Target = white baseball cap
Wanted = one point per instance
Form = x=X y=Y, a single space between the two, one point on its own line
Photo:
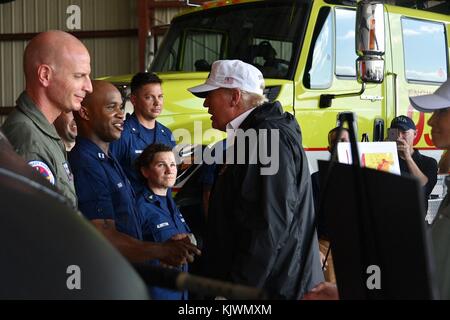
x=231 y=74
x=440 y=99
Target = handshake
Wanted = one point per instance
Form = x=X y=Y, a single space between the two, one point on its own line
x=180 y=249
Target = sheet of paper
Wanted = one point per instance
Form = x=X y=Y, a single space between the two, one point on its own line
x=376 y=155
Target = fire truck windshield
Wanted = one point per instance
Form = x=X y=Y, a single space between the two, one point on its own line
x=266 y=34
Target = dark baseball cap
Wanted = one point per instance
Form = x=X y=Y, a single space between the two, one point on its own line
x=403 y=123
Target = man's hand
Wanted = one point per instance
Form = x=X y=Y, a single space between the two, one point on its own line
x=323 y=291
x=178 y=251
x=404 y=149
x=180 y=236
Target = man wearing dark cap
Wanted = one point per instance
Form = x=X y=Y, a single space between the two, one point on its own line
x=412 y=162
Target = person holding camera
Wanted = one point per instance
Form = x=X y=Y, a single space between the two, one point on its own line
x=412 y=162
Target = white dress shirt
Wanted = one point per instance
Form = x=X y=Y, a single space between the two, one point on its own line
x=233 y=125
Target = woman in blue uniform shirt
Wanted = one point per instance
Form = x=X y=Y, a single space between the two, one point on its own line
x=161 y=219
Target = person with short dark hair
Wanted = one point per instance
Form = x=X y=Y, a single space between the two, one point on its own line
x=141 y=128
x=143 y=78
x=412 y=162
x=322 y=231
x=333 y=139
x=160 y=218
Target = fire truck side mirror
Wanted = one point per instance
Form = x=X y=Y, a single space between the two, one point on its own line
x=370 y=41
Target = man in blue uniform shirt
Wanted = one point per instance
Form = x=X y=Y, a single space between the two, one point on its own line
x=141 y=128
x=161 y=219
x=104 y=192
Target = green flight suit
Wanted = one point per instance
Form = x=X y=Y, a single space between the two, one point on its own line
x=441 y=244
x=36 y=140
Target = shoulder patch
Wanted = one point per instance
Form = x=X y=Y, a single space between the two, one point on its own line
x=162 y=225
x=43 y=169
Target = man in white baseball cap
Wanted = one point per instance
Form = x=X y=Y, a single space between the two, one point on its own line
x=440 y=99
x=260 y=225
x=439 y=104
x=225 y=78
x=231 y=74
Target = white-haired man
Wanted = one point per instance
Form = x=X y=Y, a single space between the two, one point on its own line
x=261 y=213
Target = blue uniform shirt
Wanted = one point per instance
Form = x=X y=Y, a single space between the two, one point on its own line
x=135 y=138
x=161 y=220
x=103 y=189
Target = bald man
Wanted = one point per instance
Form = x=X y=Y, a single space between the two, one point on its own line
x=104 y=192
x=57 y=69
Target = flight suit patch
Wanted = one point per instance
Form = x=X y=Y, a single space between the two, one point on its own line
x=43 y=169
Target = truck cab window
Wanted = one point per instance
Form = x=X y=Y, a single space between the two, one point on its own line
x=345 y=43
x=170 y=63
x=258 y=32
x=201 y=50
x=319 y=69
x=425 y=51
x=271 y=57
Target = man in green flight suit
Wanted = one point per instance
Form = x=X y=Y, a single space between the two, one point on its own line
x=57 y=69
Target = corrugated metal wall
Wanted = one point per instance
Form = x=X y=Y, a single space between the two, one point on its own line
x=109 y=56
x=164 y=16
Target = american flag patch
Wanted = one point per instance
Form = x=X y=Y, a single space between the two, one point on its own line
x=228 y=80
